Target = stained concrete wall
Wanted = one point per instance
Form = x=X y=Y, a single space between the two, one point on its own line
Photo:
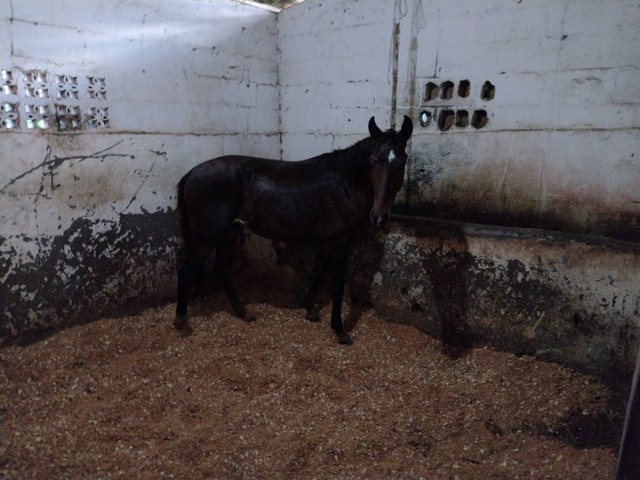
x=561 y=143
x=567 y=298
x=561 y=297
x=87 y=221
x=557 y=149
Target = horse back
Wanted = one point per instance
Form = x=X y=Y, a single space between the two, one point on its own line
x=275 y=199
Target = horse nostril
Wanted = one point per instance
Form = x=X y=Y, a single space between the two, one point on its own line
x=378 y=219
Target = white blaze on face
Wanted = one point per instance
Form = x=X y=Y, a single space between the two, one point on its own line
x=392 y=157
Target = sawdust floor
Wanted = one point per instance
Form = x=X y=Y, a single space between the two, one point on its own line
x=279 y=398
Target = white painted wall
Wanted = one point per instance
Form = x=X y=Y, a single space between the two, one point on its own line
x=562 y=144
x=185 y=82
x=334 y=73
x=561 y=149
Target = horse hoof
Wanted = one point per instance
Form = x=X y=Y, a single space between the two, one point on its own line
x=184 y=328
x=249 y=316
x=344 y=338
x=312 y=316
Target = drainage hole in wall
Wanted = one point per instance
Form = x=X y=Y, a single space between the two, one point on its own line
x=446 y=90
x=462 y=119
x=488 y=91
x=425 y=119
x=479 y=119
x=433 y=91
x=463 y=88
x=446 y=119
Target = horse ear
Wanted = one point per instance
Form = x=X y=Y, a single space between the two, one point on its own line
x=407 y=129
x=373 y=128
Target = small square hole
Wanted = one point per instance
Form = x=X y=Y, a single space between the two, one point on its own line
x=488 y=91
x=479 y=119
x=446 y=90
x=463 y=88
x=462 y=119
x=446 y=119
x=433 y=91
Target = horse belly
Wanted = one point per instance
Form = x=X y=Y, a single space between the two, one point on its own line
x=308 y=217
x=279 y=220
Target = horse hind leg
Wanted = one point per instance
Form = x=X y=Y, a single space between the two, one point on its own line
x=319 y=269
x=190 y=264
x=223 y=267
x=338 y=265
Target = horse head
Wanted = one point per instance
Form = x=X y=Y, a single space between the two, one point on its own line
x=388 y=160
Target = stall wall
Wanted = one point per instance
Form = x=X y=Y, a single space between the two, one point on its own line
x=104 y=108
x=334 y=73
x=530 y=107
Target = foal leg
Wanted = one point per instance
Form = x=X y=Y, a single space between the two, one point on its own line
x=223 y=268
x=319 y=269
x=338 y=271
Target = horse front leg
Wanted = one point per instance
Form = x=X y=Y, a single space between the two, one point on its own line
x=339 y=257
x=319 y=269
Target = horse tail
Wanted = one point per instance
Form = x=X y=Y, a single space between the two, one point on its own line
x=182 y=211
x=181 y=321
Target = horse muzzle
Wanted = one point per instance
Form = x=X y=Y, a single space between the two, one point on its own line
x=378 y=219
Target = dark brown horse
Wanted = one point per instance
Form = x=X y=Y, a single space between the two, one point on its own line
x=327 y=198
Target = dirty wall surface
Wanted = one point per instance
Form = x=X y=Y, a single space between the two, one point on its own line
x=104 y=108
x=527 y=112
x=567 y=298
x=561 y=297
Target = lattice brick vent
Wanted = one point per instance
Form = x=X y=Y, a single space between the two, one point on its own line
x=449 y=107
x=34 y=100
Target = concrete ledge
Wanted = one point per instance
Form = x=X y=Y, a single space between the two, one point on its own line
x=565 y=298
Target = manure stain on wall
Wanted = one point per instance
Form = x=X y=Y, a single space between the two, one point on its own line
x=95 y=266
x=470 y=289
x=131 y=259
x=498 y=193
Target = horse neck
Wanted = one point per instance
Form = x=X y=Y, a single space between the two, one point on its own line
x=354 y=166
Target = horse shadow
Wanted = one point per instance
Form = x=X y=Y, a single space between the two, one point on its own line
x=416 y=273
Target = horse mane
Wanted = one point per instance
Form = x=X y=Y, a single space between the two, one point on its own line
x=353 y=163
